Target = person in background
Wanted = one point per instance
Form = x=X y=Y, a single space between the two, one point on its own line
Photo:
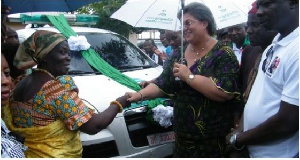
x=222 y=35
x=271 y=114
x=174 y=39
x=165 y=42
x=10 y=43
x=12 y=37
x=203 y=112
x=11 y=145
x=9 y=49
x=152 y=51
x=239 y=39
x=141 y=46
x=259 y=38
x=45 y=108
x=4 y=12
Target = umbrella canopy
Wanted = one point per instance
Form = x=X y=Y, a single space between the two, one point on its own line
x=226 y=12
x=162 y=14
x=21 y=6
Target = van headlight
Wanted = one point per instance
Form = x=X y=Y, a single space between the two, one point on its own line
x=140 y=109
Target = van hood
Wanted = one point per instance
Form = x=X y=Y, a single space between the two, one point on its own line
x=97 y=91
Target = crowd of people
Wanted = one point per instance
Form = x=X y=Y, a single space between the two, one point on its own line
x=237 y=93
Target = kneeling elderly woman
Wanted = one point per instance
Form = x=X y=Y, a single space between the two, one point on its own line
x=45 y=108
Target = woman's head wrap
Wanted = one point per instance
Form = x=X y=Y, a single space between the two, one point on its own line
x=36 y=47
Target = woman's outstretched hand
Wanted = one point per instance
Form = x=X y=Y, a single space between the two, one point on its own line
x=134 y=96
x=123 y=100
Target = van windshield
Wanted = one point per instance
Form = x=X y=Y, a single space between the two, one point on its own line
x=115 y=50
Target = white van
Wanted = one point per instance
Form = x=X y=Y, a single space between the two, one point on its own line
x=128 y=134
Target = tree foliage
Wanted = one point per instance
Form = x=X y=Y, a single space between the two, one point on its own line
x=104 y=10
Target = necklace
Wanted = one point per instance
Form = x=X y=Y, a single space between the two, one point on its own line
x=196 y=51
x=44 y=71
x=202 y=49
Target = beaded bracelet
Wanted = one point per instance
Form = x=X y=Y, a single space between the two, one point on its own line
x=141 y=95
x=118 y=104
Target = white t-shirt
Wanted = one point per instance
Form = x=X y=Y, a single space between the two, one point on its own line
x=155 y=58
x=280 y=83
x=237 y=52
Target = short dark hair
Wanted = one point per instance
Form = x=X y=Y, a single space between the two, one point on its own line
x=202 y=13
x=222 y=32
x=151 y=41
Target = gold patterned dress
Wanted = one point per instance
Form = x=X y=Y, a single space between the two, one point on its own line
x=49 y=121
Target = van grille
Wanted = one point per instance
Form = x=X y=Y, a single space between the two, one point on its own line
x=139 y=127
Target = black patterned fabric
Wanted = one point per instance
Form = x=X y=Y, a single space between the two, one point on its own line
x=201 y=124
x=10 y=147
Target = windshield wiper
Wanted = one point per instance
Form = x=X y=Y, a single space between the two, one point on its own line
x=78 y=72
x=134 y=67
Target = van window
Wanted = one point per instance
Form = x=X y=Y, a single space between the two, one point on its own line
x=115 y=50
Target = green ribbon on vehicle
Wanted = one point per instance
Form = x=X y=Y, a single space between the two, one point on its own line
x=92 y=57
x=101 y=65
x=150 y=104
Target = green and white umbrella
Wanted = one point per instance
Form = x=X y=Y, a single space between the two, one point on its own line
x=162 y=14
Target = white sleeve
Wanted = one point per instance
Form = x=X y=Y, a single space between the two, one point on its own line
x=290 y=93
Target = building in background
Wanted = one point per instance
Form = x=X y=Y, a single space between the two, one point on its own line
x=153 y=34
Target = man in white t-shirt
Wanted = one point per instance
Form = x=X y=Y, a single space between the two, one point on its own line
x=239 y=39
x=271 y=115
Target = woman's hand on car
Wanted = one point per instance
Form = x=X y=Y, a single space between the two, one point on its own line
x=134 y=96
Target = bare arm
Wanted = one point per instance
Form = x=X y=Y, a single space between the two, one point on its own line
x=162 y=55
x=101 y=120
x=280 y=125
x=202 y=84
x=206 y=86
x=143 y=84
x=150 y=92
